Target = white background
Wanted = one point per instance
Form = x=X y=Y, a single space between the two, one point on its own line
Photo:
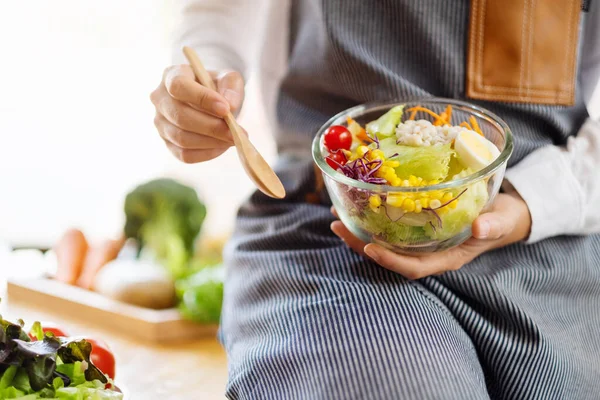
x=76 y=124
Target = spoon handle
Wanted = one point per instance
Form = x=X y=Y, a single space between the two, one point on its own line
x=206 y=80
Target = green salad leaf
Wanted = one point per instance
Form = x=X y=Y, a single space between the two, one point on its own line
x=201 y=294
x=456 y=220
x=386 y=124
x=388 y=230
x=50 y=368
x=427 y=162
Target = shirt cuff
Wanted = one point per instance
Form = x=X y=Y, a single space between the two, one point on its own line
x=546 y=182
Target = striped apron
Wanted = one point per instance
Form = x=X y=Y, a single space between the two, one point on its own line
x=306 y=318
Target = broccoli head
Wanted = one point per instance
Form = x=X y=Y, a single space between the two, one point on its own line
x=165 y=217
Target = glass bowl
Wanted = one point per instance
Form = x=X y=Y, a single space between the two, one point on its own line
x=431 y=230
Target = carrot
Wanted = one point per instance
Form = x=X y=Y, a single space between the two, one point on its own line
x=449 y=114
x=360 y=134
x=442 y=120
x=70 y=252
x=425 y=110
x=413 y=114
x=466 y=125
x=97 y=257
x=475 y=125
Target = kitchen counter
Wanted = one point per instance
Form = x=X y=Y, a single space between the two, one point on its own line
x=147 y=371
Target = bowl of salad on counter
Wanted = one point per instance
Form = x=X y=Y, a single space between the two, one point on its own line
x=413 y=176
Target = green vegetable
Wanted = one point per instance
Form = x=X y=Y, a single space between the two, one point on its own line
x=201 y=295
x=165 y=217
x=427 y=162
x=50 y=368
x=456 y=220
x=388 y=230
x=386 y=124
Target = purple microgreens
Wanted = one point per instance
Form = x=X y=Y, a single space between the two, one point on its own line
x=435 y=214
x=394 y=210
x=375 y=168
x=393 y=155
x=375 y=139
x=433 y=227
x=454 y=199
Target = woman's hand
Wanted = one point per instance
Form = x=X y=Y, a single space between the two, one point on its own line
x=189 y=115
x=507 y=222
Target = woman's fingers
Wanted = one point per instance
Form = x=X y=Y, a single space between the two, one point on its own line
x=417 y=267
x=186 y=139
x=181 y=84
x=230 y=84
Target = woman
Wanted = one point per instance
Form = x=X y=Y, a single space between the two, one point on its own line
x=514 y=313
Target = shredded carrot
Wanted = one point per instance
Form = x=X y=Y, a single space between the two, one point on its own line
x=425 y=110
x=466 y=125
x=442 y=120
x=362 y=134
x=413 y=114
x=448 y=113
x=475 y=125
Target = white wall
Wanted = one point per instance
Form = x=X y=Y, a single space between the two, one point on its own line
x=76 y=121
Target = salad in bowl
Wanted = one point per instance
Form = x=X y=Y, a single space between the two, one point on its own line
x=413 y=176
x=45 y=363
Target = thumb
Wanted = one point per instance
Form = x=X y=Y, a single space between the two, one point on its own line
x=230 y=85
x=495 y=224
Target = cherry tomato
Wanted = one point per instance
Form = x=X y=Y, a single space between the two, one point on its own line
x=338 y=137
x=336 y=157
x=51 y=327
x=102 y=357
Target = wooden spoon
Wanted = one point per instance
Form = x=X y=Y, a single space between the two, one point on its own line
x=255 y=165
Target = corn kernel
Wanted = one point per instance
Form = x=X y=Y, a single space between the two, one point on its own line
x=436 y=195
x=442 y=210
x=405 y=183
x=396 y=181
x=392 y=164
x=447 y=197
x=384 y=170
x=434 y=203
x=376 y=155
x=412 y=180
x=395 y=200
x=361 y=151
x=375 y=200
x=419 y=181
x=453 y=204
x=409 y=205
x=418 y=207
x=424 y=202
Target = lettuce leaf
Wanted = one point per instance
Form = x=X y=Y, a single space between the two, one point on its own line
x=379 y=224
x=456 y=220
x=427 y=162
x=386 y=124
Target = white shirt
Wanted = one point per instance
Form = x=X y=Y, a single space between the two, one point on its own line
x=561 y=185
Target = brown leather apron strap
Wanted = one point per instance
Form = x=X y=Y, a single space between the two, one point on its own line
x=523 y=50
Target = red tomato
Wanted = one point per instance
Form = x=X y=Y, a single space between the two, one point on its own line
x=338 y=137
x=337 y=157
x=50 y=327
x=102 y=357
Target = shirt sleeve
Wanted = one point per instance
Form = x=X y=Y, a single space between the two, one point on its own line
x=225 y=33
x=561 y=185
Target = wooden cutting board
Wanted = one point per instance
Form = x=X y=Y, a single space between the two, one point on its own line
x=95 y=309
